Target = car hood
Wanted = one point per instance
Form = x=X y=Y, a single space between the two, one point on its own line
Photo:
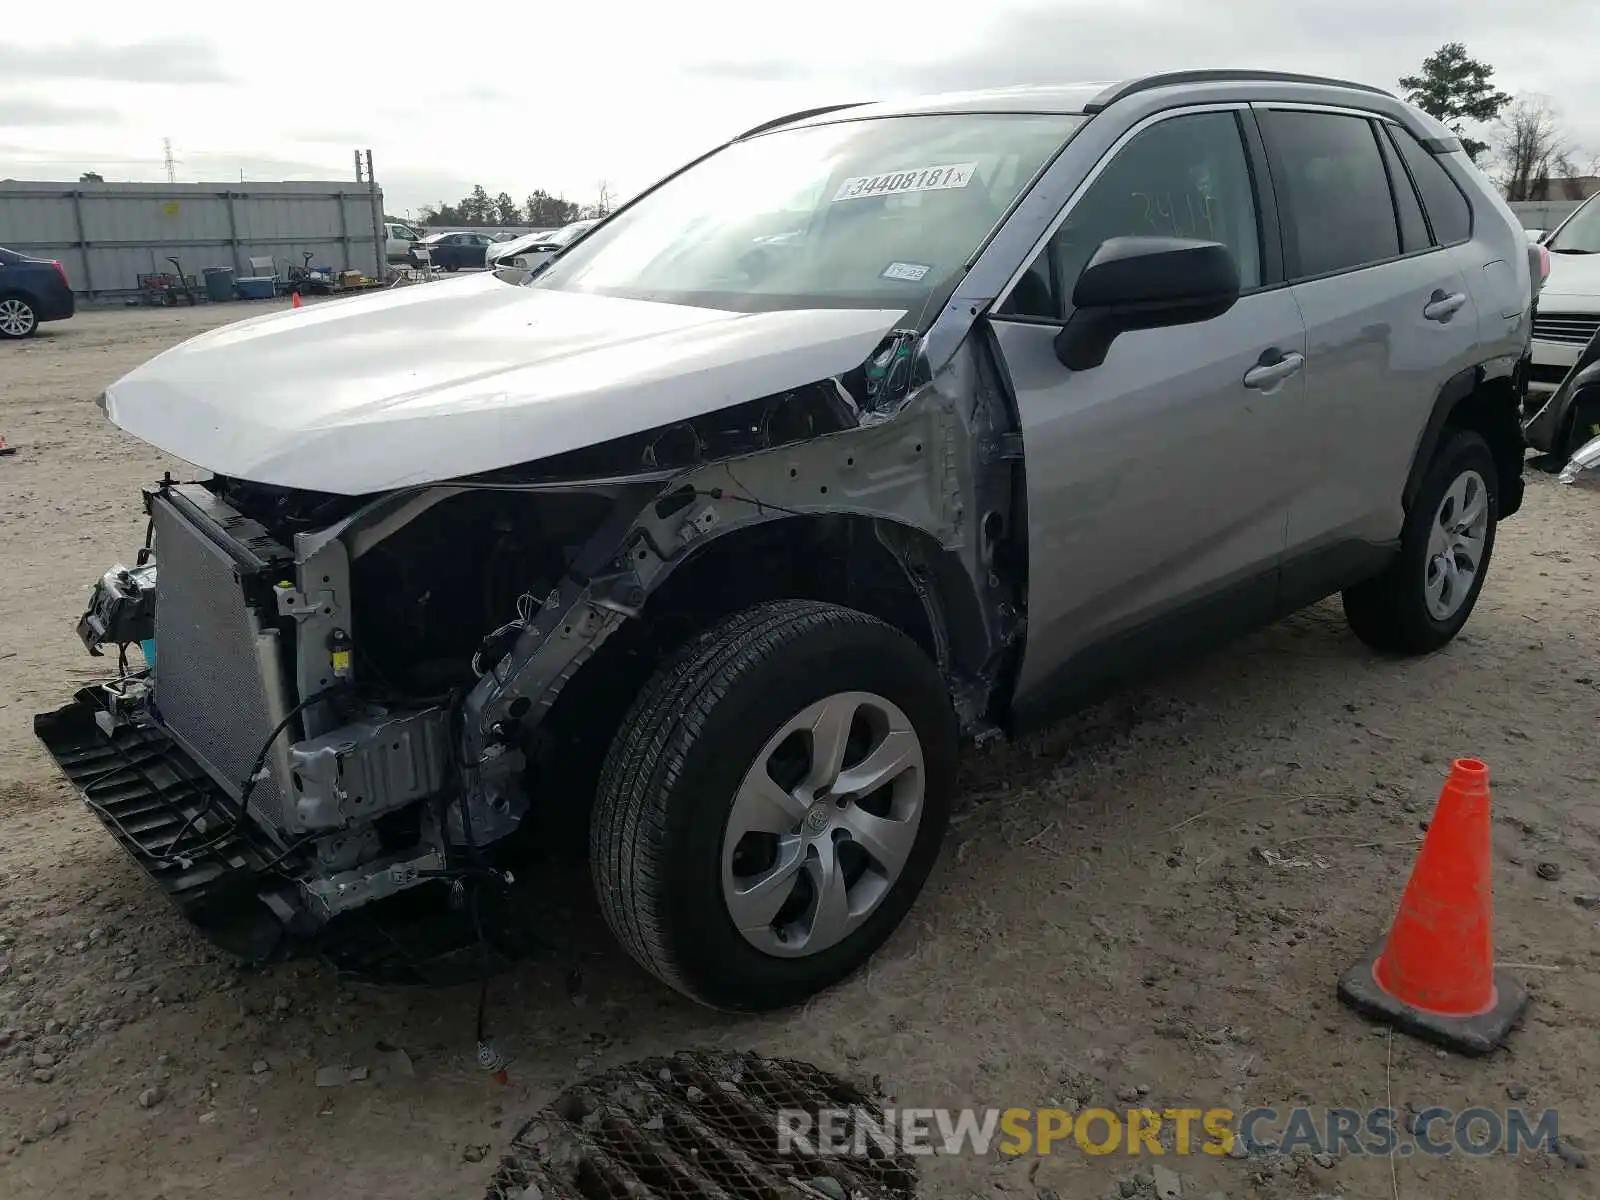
x=439 y=380
x=511 y=246
x=1573 y=276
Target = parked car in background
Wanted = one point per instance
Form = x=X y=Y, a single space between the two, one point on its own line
x=32 y=291
x=452 y=251
x=1569 y=304
x=1567 y=418
x=532 y=249
x=400 y=239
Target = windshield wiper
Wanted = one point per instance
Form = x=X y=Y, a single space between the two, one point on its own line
x=1564 y=250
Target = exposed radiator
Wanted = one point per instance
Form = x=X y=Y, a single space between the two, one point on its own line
x=219 y=681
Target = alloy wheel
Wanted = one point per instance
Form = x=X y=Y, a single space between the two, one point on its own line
x=16 y=318
x=1455 y=545
x=822 y=824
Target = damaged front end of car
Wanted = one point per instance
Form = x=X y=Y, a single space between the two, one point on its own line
x=345 y=698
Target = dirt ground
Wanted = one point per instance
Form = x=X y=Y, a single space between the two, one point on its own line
x=1103 y=920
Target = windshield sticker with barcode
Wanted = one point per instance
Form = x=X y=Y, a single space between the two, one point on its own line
x=899 y=183
x=907 y=271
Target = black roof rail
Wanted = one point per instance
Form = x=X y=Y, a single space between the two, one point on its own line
x=1119 y=91
x=802 y=115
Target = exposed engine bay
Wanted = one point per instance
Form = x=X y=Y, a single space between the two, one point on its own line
x=345 y=696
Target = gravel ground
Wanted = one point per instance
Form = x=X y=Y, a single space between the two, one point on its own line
x=1153 y=899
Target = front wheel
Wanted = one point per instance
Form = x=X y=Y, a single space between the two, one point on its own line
x=773 y=803
x=1427 y=593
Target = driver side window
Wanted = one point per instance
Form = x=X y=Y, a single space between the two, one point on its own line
x=1184 y=177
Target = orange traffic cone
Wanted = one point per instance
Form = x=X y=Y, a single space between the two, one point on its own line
x=1434 y=976
x=294 y=300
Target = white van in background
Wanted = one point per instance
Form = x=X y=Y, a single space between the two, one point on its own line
x=399 y=240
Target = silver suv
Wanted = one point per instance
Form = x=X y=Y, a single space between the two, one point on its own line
x=877 y=430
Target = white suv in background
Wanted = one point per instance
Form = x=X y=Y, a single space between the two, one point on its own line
x=1569 y=304
x=531 y=249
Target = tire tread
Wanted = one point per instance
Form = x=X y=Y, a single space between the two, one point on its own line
x=647 y=756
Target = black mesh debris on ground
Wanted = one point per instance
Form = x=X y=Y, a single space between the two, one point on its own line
x=706 y=1126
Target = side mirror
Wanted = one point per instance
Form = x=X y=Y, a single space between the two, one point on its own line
x=1144 y=283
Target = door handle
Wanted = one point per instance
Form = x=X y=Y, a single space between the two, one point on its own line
x=1267 y=375
x=1441 y=307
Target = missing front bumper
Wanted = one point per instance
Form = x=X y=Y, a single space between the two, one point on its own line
x=145 y=788
x=233 y=883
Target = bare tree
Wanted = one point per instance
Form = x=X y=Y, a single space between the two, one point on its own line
x=604 y=202
x=1534 y=149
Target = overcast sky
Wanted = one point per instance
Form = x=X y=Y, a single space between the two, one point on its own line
x=506 y=97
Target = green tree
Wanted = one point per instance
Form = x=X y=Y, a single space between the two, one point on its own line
x=547 y=211
x=1454 y=87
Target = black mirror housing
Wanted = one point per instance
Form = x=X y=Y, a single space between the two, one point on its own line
x=1144 y=283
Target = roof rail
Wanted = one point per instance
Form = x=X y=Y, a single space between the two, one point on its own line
x=1119 y=91
x=802 y=115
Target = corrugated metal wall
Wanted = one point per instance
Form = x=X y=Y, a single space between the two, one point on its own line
x=108 y=234
x=1543 y=214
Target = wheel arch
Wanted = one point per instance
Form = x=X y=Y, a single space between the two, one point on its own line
x=1489 y=406
x=884 y=568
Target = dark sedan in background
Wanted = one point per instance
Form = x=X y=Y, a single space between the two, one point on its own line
x=452 y=251
x=32 y=290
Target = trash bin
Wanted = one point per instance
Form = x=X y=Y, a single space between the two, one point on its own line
x=219 y=283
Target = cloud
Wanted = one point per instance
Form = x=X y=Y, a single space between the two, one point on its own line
x=155 y=60
x=757 y=70
x=478 y=93
x=350 y=138
x=208 y=165
x=22 y=112
x=1065 y=41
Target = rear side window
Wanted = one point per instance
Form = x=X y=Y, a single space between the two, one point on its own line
x=1448 y=209
x=1413 y=226
x=1334 y=190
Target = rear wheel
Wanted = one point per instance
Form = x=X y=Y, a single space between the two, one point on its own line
x=773 y=803
x=1427 y=593
x=18 y=319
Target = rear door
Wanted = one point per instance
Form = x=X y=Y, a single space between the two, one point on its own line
x=1389 y=318
x=1156 y=512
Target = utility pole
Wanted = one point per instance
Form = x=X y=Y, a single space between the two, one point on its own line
x=380 y=235
x=172 y=163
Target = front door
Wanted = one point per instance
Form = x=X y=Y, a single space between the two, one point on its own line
x=1156 y=515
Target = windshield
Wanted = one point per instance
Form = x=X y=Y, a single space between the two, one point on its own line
x=1581 y=234
x=880 y=213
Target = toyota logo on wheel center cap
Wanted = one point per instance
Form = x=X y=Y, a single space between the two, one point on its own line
x=817 y=818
